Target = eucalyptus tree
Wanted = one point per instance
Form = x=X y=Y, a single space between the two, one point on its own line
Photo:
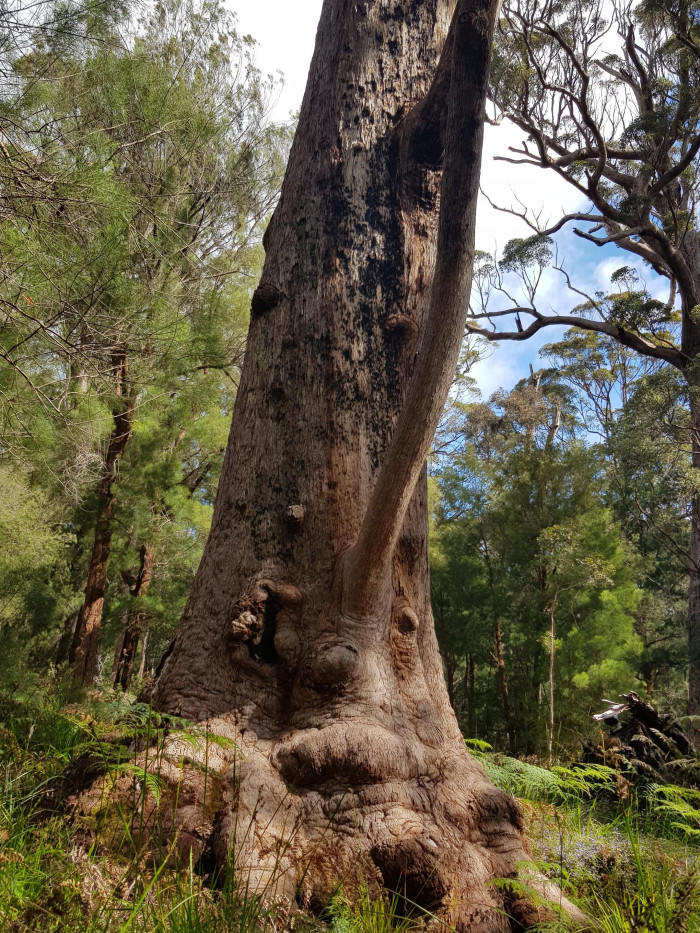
x=638 y=410
x=308 y=636
x=533 y=577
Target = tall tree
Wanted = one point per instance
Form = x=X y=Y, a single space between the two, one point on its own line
x=544 y=597
x=639 y=409
x=609 y=99
x=308 y=636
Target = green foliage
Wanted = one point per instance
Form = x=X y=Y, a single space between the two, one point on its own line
x=369 y=913
x=522 y=254
x=679 y=806
x=618 y=859
x=137 y=177
x=559 y=785
x=53 y=878
x=522 y=530
x=662 y=899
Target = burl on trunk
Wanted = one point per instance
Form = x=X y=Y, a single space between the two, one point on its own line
x=308 y=636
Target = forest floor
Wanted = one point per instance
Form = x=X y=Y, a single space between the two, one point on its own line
x=628 y=856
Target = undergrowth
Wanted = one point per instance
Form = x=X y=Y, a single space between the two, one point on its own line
x=630 y=863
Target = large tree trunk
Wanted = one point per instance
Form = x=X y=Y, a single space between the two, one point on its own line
x=308 y=636
x=87 y=630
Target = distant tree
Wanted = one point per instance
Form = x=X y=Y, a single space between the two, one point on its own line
x=608 y=98
x=158 y=168
x=532 y=576
x=638 y=408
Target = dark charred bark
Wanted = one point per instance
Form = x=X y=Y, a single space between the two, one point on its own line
x=124 y=663
x=87 y=631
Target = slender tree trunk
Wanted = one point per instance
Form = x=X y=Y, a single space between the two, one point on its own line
x=308 y=636
x=498 y=658
x=502 y=681
x=551 y=611
x=64 y=646
x=144 y=647
x=124 y=667
x=87 y=631
x=118 y=645
x=694 y=580
x=469 y=695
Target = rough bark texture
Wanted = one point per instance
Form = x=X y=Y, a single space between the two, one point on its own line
x=85 y=645
x=308 y=636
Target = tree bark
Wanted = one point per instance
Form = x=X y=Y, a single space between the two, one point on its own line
x=144 y=648
x=308 y=636
x=124 y=667
x=87 y=631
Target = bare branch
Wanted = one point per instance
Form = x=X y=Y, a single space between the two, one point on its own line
x=622 y=335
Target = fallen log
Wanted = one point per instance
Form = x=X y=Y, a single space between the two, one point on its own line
x=643 y=744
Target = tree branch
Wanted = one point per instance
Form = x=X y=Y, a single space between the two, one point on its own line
x=367 y=565
x=622 y=335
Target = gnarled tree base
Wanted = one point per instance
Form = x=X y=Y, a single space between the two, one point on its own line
x=340 y=806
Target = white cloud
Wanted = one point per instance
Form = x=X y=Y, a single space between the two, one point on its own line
x=656 y=284
x=504 y=183
x=285 y=33
x=499 y=370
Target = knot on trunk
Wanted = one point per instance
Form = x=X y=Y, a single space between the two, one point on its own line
x=295 y=517
x=265 y=620
x=404 y=639
x=403 y=326
x=246 y=627
x=406 y=620
x=334 y=664
x=265 y=297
